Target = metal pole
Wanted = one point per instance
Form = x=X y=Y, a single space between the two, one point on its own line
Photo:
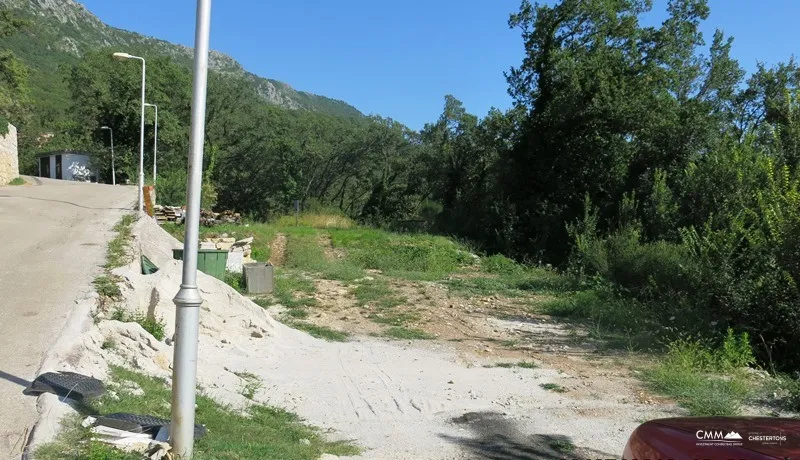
x=188 y=299
x=113 y=168
x=141 y=142
x=155 y=147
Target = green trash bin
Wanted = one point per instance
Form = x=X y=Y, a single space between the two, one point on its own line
x=209 y=261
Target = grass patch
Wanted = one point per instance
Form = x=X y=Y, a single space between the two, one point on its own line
x=320 y=332
x=117 y=252
x=155 y=326
x=288 y=284
x=707 y=381
x=782 y=392
x=553 y=387
x=377 y=293
x=251 y=383
x=17 y=181
x=297 y=313
x=520 y=364
x=503 y=276
x=235 y=280
x=563 y=446
x=258 y=432
x=401 y=255
x=108 y=286
x=303 y=252
x=316 y=220
x=404 y=333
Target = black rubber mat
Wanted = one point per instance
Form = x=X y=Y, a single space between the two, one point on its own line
x=70 y=385
x=140 y=423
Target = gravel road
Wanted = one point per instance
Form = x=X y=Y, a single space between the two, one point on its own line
x=53 y=236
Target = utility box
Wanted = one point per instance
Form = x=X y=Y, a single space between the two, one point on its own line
x=209 y=261
x=259 y=277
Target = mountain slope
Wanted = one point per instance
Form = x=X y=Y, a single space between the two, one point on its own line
x=60 y=31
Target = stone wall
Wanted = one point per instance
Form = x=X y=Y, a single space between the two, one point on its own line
x=9 y=159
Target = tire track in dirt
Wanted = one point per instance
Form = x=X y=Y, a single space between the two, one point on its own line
x=277 y=255
x=331 y=254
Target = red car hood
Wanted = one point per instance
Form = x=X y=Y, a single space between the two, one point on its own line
x=754 y=438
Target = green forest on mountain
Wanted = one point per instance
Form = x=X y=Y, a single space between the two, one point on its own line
x=640 y=159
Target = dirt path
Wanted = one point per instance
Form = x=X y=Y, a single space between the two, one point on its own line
x=331 y=253
x=277 y=255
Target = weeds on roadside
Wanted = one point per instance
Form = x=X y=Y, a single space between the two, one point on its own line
x=155 y=326
x=258 y=432
x=251 y=383
x=107 y=286
x=117 y=252
x=520 y=364
x=17 y=181
x=320 y=332
x=404 y=333
x=553 y=387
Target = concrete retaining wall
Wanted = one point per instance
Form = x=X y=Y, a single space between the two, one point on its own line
x=9 y=159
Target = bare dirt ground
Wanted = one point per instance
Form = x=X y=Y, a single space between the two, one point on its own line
x=494 y=329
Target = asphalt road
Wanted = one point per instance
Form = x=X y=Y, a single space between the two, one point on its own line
x=53 y=237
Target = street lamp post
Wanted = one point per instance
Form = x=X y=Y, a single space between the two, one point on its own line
x=123 y=56
x=155 y=143
x=188 y=299
x=113 y=169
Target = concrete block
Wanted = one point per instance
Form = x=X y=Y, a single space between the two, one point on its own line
x=235 y=262
x=207 y=245
x=224 y=246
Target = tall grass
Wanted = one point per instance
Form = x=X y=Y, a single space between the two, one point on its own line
x=416 y=256
x=314 y=220
x=303 y=252
x=706 y=380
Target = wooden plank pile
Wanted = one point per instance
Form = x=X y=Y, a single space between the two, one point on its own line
x=211 y=218
x=168 y=214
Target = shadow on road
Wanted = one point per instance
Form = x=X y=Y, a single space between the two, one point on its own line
x=14 y=379
x=65 y=202
x=496 y=438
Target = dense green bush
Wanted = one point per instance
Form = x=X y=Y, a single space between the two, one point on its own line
x=739 y=269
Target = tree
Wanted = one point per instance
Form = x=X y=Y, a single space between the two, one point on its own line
x=13 y=77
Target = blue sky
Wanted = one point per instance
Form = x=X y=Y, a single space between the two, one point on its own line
x=399 y=59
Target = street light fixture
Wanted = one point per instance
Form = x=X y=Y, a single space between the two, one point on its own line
x=113 y=169
x=155 y=143
x=123 y=56
x=188 y=299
